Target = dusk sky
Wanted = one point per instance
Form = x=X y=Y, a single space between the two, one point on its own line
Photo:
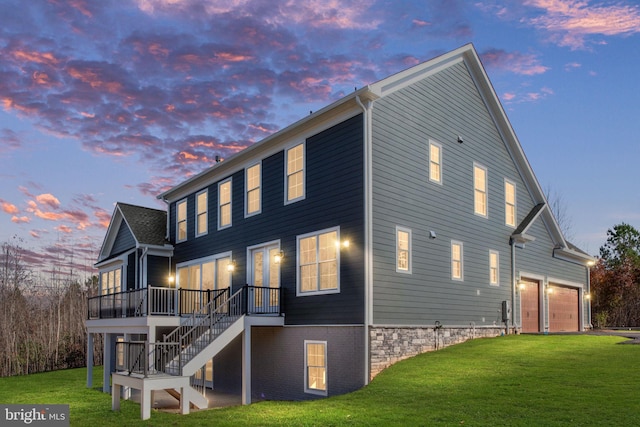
x=117 y=100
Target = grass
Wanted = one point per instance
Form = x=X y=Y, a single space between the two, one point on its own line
x=506 y=381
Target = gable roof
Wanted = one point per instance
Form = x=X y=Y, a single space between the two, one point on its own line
x=353 y=104
x=147 y=226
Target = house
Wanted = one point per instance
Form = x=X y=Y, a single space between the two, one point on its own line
x=400 y=219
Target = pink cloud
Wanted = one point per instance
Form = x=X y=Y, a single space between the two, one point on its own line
x=515 y=62
x=20 y=219
x=49 y=200
x=569 y=22
x=315 y=13
x=64 y=229
x=10 y=140
x=9 y=208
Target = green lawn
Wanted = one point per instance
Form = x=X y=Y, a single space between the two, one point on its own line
x=513 y=380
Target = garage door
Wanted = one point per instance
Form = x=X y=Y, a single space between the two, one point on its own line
x=563 y=309
x=530 y=305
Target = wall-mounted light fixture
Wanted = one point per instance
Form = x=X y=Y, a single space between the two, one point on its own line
x=549 y=289
x=171 y=279
x=432 y=234
x=460 y=140
x=278 y=257
x=231 y=267
x=521 y=285
x=587 y=296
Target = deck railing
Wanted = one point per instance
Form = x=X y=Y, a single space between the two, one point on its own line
x=151 y=301
x=196 y=331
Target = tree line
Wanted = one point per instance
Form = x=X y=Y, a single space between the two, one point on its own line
x=41 y=321
x=615 y=280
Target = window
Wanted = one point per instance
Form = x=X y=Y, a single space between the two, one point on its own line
x=181 y=221
x=509 y=203
x=435 y=162
x=252 y=184
x=494 y=268
x=319 y=262
x=315 y=362
x=111 y=281
x=403 y=250
x=201 y=213
x=457 y=272
x=480 y=189
x=295 y=173
x=206 y=274
x=224 y=204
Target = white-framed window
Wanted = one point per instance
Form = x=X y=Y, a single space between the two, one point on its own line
x=403 y=250
x=457 y=266
x=318 y=259
x=181 y=220
x=120 y=351
x=295 y=176
x=494 y=267
x=224 y=204
x=202 y=218
x=480 y=189
x=509 y=203
x=315 y=365
x=435 y=162
x=253 y=190
x=111 y=281
x=204 y=274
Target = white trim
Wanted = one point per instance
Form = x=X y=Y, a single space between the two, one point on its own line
x=439 y=145
x=287 y=148
x=201 y=261
x=477 y=165
x=515 y=203
x=308 y=390
x=249 y=269
x=220 y=184
x=299 y=293
x=497 y=254
x=566 y=283
x=206 y=212
x=461 y=278
x=108 y=271
x=409 y=250
x=186 y=220
x=248 y=214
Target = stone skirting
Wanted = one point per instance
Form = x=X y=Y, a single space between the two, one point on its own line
x=388 y=345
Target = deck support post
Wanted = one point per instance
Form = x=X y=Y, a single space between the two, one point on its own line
x=89 y=360
x=106 y=363
x=246 y=365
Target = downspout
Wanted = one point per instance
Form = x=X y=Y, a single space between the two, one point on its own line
x=588 y=268
x=513 y=284
x=368 y=232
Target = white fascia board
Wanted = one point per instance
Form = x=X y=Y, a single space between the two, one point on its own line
x=110 y=236
x=573 y=256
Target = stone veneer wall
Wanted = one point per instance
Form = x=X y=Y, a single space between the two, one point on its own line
x=389 y=345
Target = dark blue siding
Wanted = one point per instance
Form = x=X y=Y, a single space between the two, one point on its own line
x=334 y=197
x=157 y=271
x=124 y=240
x=131 y=271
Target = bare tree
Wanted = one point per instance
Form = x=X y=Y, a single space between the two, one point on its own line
x=559 y=209
x=41 y=320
